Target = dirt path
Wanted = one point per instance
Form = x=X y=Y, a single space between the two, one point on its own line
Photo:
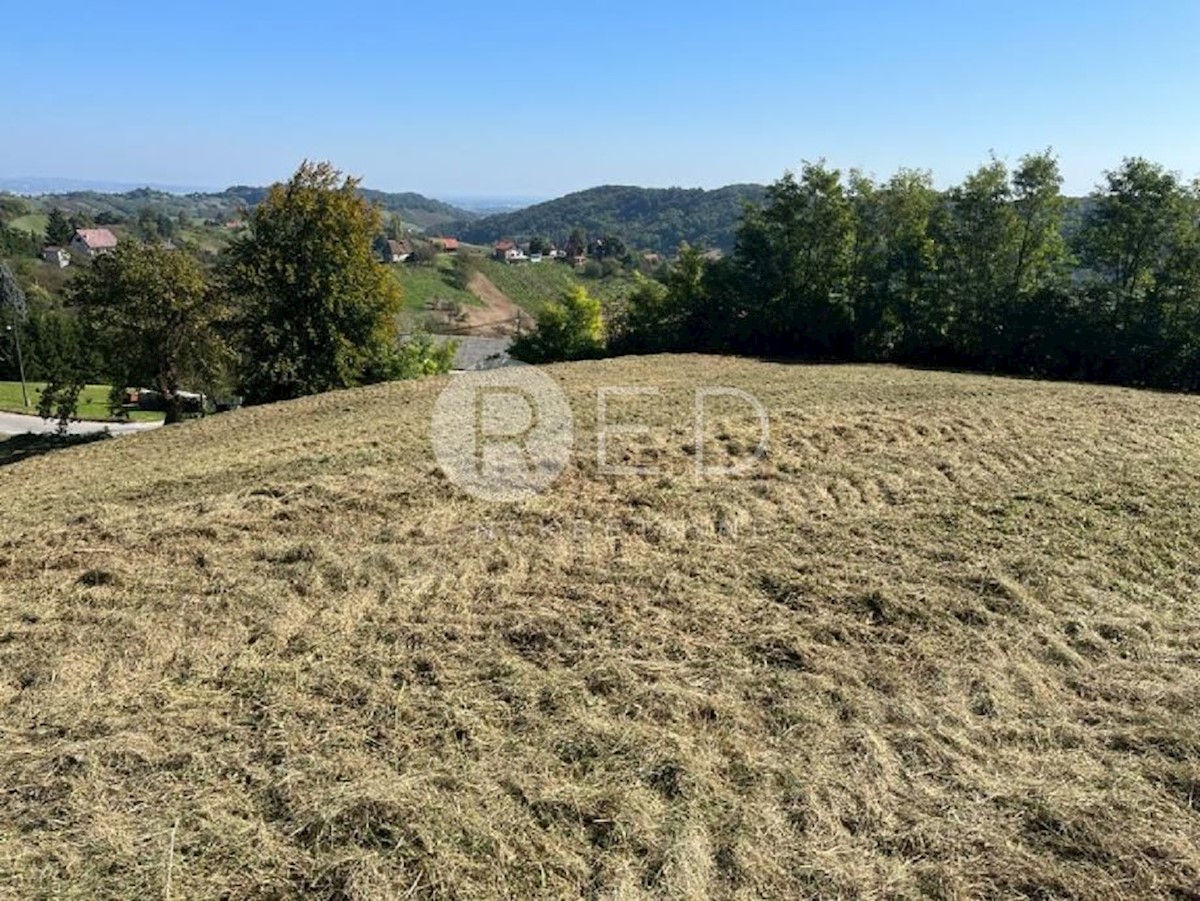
x=499 y=317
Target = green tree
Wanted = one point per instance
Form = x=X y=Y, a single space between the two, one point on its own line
x=424 y=253
x=59 y=399
x=413 y=357
x=317 y=307
x=576 y=243
x=569 y=329
x=17 y=243
x=64 y=381
x=981 y=237
x=646 y=323
x=11 y=208
x=165 y=225
x=608 y=247
x=794 y=261
x=1129 y=230
x=1135 y=224
x=54 y=343
x=538 y=244
x=463 y=269
x=1042 y=256
x=394 y=228
x=58 y=229
x=153 y=313
x=13 y=310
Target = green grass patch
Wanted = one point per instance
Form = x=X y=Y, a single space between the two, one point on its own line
x=93 y=402
x=31 y=222
x=532 y=285
x=422 y=284
x=208 y=238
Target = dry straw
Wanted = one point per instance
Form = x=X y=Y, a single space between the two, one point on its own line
x=942 y=642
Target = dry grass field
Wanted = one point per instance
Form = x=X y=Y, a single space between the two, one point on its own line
x=943 y=641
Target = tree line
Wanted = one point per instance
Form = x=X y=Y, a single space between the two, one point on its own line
x=998 y=273
x=299 y=305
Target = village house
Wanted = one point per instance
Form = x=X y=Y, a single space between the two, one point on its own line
x=396 y=251
x=56 y=256
x=88 y=242
x=444 y=244
x=508 y=252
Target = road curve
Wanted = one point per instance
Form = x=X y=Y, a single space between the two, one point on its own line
x=18 y=424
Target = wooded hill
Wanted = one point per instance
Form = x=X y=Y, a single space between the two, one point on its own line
x=414 y=209
x=657 y=219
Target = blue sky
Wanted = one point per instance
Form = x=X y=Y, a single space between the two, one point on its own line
x=470 y=98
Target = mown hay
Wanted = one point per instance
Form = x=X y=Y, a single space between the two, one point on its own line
x=942 y=641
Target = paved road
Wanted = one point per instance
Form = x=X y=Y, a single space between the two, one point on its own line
x=16 y=424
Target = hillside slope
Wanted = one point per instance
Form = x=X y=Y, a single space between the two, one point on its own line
x=419 y=211
x=942 y=642
x=655 y=219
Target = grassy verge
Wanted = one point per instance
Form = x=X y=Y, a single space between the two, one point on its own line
x=93 y=402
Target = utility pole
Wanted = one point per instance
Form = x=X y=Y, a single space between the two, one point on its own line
x=16 y=330
x=13 y=297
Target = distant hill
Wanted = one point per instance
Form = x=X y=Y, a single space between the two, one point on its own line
x=32 y=186
x=418 y=211
x=645 y=218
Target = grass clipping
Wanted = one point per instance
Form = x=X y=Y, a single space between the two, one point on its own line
x=942 y=642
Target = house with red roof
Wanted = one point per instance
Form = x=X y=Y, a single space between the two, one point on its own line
x=92 y=241
x=447 y=245
x=508 y=252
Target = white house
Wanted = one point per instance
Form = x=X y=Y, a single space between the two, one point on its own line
x=56 y=256
x=508 y=252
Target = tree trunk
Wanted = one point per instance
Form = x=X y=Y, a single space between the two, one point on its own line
x=174 y=408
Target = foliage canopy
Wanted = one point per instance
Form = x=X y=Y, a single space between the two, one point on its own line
x=317 y=308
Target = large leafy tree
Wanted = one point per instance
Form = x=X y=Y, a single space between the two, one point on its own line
x=794 y=260
x=317 y=307
x=916 y=315
x=576 y=242
x=1133 y=222
x=156 y=319
x=1042 y=256
x=981 y=246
